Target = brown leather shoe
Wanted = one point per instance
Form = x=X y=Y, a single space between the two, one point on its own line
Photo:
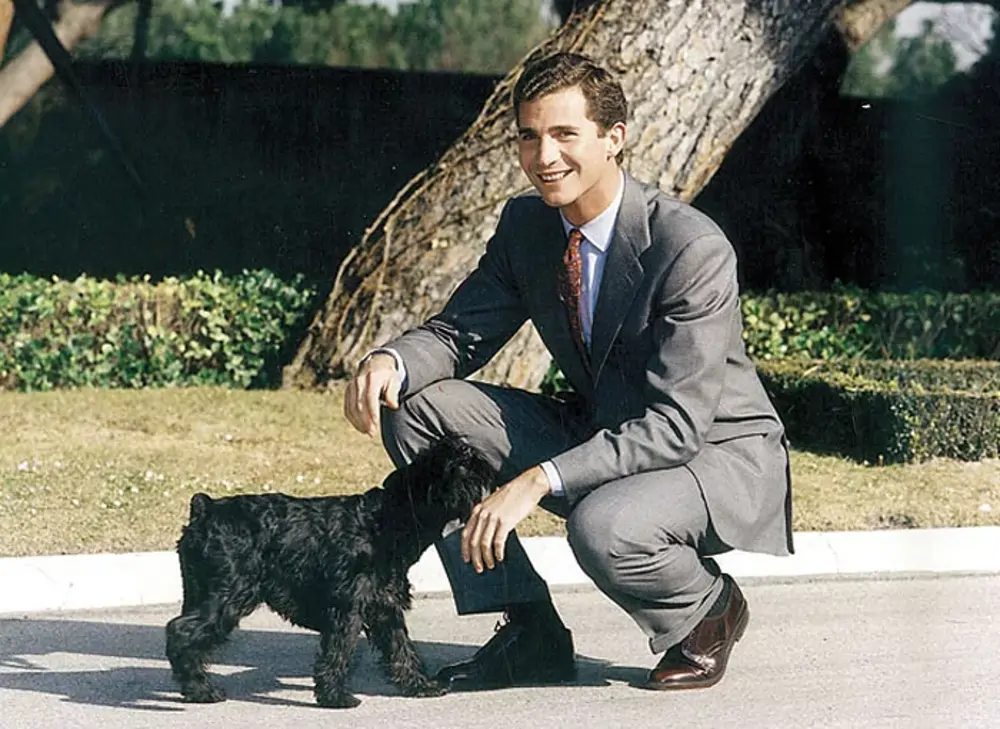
x=700 y=660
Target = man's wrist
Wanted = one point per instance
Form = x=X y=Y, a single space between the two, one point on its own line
x=535 y=480
x=552 y=478
x=384 y=353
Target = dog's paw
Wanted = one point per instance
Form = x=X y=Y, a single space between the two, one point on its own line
x=426 y=689
x=203 y=693
x=337 y=700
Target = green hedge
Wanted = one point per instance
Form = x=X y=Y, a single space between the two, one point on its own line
x=200 y=330
x=854 y=324
x=212 y=329
x=872 y=325
x=889 y=412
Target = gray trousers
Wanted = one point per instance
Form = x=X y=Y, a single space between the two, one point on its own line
x=643 y=539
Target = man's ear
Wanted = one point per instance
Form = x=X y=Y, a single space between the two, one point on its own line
x=615 y=137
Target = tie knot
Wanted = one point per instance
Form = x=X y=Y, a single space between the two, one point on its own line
x=575 y=237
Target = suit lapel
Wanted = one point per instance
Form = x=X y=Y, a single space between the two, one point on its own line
x=622 y=273
x=547 y=260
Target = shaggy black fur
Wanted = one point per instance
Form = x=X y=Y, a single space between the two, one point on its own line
x=337 y=565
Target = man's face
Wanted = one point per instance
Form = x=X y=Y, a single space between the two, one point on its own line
x=567 y=157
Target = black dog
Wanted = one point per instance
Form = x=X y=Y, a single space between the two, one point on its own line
x=336 y=565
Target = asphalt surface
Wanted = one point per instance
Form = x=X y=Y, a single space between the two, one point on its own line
x=857 y=653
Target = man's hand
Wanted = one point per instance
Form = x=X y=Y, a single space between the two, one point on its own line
x=485 y=534
x=376 y=383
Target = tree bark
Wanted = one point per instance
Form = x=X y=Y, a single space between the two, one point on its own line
x=31 y=69
x=696 y=73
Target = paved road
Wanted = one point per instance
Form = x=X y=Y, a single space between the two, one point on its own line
x=854 y=654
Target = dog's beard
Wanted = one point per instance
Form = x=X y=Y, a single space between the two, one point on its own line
x=458 y=522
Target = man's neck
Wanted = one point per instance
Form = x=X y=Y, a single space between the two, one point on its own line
x=599 y=199
x=610 y=209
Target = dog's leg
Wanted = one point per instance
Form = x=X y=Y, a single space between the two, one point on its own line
x=192 y=636
x=387 y=630
x=337 y=644
x=191 y=583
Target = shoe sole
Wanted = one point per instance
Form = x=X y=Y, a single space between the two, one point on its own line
x=561 y=678
x=741 y=627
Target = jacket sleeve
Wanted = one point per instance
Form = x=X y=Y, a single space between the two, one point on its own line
x=694 y=312
x=483 y=313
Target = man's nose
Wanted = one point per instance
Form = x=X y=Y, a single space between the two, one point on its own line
x=548 y=151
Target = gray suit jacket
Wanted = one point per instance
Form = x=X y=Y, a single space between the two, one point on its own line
x=669 y=383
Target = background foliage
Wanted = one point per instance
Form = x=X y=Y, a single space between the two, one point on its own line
x=852 y=323
x=200 y=330
x=232 y=330
x=903 y=68
x=428 y=35
x=212 y=329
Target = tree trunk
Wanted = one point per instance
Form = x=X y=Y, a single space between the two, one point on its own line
x=696 y=73
x=28 y=72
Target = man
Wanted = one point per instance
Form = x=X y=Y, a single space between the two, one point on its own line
x=668 y=451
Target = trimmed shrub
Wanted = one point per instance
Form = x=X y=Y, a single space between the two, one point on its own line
x=889 y=412
x=201 y=330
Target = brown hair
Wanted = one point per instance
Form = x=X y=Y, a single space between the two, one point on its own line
x=606 y=104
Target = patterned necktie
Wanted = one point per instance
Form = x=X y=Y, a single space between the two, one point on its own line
x=570 y=286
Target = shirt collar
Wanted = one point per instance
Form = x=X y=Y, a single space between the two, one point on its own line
x=599 y=230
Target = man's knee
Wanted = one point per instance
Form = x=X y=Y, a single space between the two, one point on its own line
x=602 y=540
x=626 y=528
x=422 y=418
x=411 y=427
x=409 y=414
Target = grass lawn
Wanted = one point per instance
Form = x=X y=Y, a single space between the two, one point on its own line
x=113 y=470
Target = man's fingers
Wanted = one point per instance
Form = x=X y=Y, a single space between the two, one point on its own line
x=467 y=531
x=476 y=545
x=486 y=542
x=351 y=410
x=376 y=383
x=475 y=551
x=392 y=394
x=374 y=420
x=499 y=544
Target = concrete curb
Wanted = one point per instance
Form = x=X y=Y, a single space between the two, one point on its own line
x=85 y=582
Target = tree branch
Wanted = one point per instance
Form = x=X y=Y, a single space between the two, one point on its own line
x=859 y=20
x=6 y=18
x=31 y=69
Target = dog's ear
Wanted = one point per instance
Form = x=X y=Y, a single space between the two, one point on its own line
x=469 y=479
x=200 y=504
x=450 y=475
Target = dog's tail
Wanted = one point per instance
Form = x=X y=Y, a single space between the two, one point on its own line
x=200 y=504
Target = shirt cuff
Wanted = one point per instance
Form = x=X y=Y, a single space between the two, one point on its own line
x=555 y=480
x=400 y=367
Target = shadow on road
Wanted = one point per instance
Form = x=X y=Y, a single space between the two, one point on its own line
x=123 y=665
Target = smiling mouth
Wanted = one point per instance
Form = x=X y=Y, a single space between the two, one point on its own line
x=549 y=177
